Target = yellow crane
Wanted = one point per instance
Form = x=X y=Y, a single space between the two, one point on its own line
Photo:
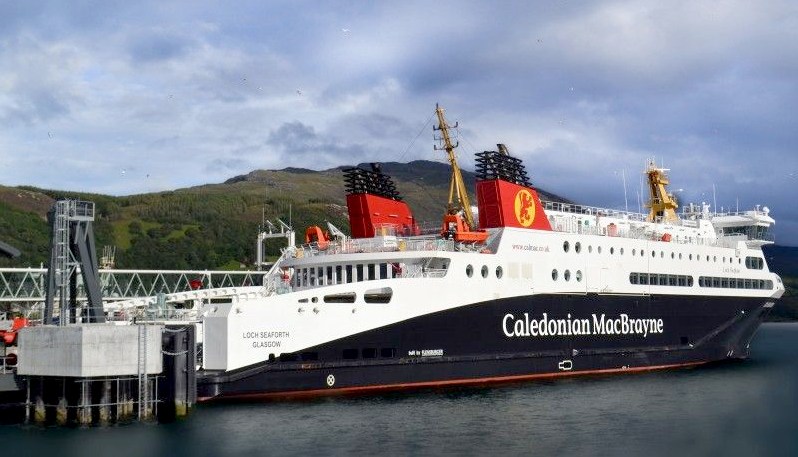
x=458 y=196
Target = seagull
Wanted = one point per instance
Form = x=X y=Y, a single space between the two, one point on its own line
x=49 y=135
x=345 y=30
x=123 y=172
x=299 y=92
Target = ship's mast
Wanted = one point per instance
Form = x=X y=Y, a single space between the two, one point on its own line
x=458 y=196
x=662 y=204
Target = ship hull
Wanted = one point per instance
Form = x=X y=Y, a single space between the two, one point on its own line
x=507 y=340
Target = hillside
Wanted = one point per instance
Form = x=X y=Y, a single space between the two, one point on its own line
x=214 y=226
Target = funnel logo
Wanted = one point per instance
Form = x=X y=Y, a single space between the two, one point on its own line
x=524 y=208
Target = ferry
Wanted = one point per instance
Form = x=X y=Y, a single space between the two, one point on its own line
x=523 y=289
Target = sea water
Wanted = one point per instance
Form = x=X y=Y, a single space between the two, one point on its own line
x=745 y=408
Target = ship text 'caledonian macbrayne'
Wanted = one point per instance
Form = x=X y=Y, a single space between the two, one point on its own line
x=518 y=289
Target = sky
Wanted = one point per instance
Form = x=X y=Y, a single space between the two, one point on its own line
x=122 y=97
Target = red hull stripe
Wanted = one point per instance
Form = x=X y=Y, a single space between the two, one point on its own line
x=451 y=382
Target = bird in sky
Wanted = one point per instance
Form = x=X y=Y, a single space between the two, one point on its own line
x=345 y=30
x=49 y=135
x=299 y=92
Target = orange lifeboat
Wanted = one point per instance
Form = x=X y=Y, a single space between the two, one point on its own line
x=666 y=237
x=314 y=234
x=454 y=227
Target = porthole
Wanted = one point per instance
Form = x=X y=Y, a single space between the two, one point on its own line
x=565 y=246
x=499 y=272
x=680 y=256
x=590 y=248
x=469 y=271
x=653 y=254
x=578 y=247
x=598 y=249
x=578 y=275
x=484 y=271
x=691 y=257
x=612 y=250
x=554 y=274
x=621 y=251
x=661 y=254
x=314 y=299
x=715 y=258
x=642 y=253
x=673 y=255
x=634 y=252
x=707 y=258
x=567 y=275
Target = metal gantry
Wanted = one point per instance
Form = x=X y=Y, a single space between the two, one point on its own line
x=28 y=286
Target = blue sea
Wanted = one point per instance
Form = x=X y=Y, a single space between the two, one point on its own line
x=747 y=408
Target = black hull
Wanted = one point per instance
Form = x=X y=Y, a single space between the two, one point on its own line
x=478 y=346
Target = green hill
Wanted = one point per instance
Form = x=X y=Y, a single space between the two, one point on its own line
x=214 y=226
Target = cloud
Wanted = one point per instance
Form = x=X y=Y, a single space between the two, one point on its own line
x=191 y=93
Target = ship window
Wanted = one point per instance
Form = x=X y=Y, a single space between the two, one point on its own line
x=567 y=275
x=769 y=284
x=663 y=280
x=288 y=357
x=672 y=281
x=715 y=282
x=598 y=249
x=387 y=353
x=680 y=256
x=350 y=354
x=381 y=295
x=348 y=274
x=621 y=251
x=661 y=254
x=633 y=278
x=330 y=278
x=673 y=255
x=612 y=250
x=554 y=274
x=469 y=271
x=578 y=247
x=346 y=297
x=690 y=257
x=590 y=248
x=499 y=272
x=747 y=283
x=565 y=246
x=369 y=353
x=359 y=270
x=314 y=300
x=320 y=276
x=484 y=271
x=578 y=275
x=689 y=281
x=303 y=300
x=682 y=280
x=372 y=272
x=634 y=251
x=715 y=258
x=707 y=258
x=383 y=271
x=643 y=278
x=724 y=282
x=339 y=274
x=732 y=283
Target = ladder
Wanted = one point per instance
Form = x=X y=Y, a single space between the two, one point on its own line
x=144 y=394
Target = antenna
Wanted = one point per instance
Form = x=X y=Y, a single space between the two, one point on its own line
x=714 y=199
x=625 y=200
